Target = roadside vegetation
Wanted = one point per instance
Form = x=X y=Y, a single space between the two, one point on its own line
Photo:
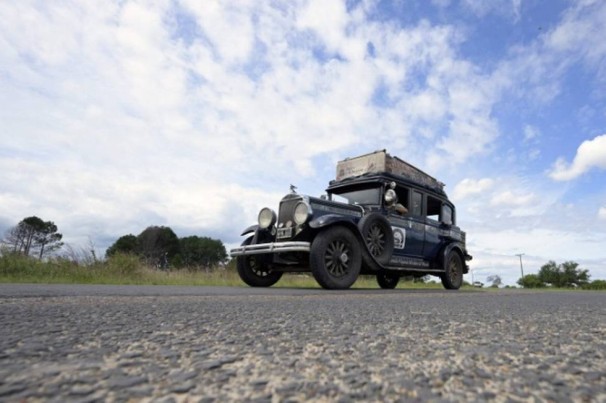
x=567 y=275
x=33 y=252
x=131 y=269
x=123 y=268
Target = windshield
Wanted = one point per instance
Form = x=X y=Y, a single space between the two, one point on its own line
x=358 y=196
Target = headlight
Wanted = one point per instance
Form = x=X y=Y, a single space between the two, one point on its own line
x=267 y=218
x=301 y=213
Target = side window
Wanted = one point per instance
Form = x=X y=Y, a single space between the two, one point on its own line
x=417 y=203
x=434 y=208
x=447 y=215
x=403 y=196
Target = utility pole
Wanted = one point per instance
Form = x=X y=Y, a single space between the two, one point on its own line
x=521 y=266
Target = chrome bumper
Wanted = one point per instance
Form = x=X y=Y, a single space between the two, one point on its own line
x=273 y=247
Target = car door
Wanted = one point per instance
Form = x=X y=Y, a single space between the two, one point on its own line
x=409 y=230
x=433 y=227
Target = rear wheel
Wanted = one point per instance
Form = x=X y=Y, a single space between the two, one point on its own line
x=335 y=258
x=254 y=271
x=452 y=278
x=387 y=281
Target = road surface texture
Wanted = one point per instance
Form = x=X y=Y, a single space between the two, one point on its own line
x=205 y=344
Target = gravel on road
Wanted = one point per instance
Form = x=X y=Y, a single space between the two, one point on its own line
x=301 y=345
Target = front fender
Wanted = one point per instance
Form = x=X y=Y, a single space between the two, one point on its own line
x=330 y=219
x=252 y=228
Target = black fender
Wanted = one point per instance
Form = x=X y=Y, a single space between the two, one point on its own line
x=460 y=249
x=329 y=220
x=259 y=235
x=252 y=228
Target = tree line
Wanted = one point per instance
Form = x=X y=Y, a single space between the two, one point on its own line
x=157 y=245
x=160 y=246
x=565 y=275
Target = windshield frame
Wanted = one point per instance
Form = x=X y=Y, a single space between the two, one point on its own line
x=359 y=195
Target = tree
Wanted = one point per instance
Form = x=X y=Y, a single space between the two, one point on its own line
x=549 y=274
x=531 y=281
x=158 y=242
x=48 y=239
x=495 y=279
x=125 y=244
x=33 y=236
x=564 y=275
x=201 y=251
x=572 y=276
x=595 y=285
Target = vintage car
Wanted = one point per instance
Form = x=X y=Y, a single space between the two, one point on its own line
x=381 y=216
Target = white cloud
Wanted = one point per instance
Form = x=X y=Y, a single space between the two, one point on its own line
x=118 y=113
x=590 y=154
x=602 y=213
x=469 y=187
x=119 y=118
x=582 y=21
x=507 y=8
x=511 y=199
x=517 y=5
x=550 y=244
x=328 y=19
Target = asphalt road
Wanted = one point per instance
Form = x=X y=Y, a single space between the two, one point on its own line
x=109 y=343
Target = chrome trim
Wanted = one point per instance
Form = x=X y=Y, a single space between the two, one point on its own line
x=272 y=247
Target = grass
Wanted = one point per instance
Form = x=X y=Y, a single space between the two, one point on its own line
x=129 y=269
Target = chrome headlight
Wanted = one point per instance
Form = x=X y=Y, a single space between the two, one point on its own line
x=267 y=218
x=302 y=213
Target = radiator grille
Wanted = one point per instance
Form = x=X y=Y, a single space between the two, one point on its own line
x=287 y=211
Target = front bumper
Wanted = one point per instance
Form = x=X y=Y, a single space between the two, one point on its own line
x=273 y=247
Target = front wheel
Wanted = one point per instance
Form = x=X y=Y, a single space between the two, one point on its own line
x=387 y=281
x=254 y=272
x=335 y=258
x=452 y=278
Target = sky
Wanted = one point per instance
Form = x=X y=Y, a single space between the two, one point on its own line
x=118 y=115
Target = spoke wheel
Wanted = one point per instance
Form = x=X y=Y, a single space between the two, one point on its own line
x=335 y=258
x=375 y=239
x=254 y=271
x=452 y=278
x=378 y=236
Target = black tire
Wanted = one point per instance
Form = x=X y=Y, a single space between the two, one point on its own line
x=387 y=281
x=378 y=236
x=335 y=258
x=254 y=272
x=452 y=278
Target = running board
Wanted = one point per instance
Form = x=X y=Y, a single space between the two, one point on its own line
x=400 y=268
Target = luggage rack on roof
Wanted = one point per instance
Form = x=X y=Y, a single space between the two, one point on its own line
x=381 y=162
